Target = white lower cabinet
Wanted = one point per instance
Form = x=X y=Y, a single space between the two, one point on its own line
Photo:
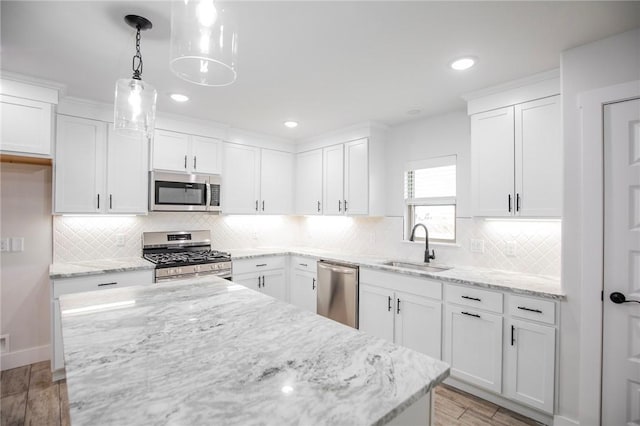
x=303 y=284
x=401 y=309
x=473 y=346
x=264 y=274
x=78 y=285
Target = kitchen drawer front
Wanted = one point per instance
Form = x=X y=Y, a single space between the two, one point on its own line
x=101 y=282
x=401 y=282
x=304 y=263
x=266 y=263
x=532 y=309
x=469 y=296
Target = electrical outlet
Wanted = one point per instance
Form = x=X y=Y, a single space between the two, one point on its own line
x=120 y=240
x=4 y=244
x=5 y=345
x=510 y=248
x=477 y=246
x=17 y=243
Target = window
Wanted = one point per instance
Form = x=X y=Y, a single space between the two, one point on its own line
x=430 y=198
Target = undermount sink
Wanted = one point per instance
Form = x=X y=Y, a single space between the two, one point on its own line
x=418 y=266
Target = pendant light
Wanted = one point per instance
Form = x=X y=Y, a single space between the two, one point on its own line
x=204 y=42
x=135 y=100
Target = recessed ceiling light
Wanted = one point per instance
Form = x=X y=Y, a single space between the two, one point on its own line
x=179 y=97
x=291 y=124
x=463 y=63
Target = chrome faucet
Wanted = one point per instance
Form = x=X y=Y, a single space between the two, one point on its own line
x=427 y=256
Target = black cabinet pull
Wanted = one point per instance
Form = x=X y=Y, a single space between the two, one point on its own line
x=110 y=201
x=263 y=281
x=471 y=298
x=524 y=308
x=262 y=205
x=398 y=306
x=389 y=304
x=517 y=202
x=98 y=201
x=509 y=203
x=345 y=205
x=470 y=314
x=313 y=284
x=513 y=330
x=318 y=206
x=185 y=161
x=339 y=205
x=258 y=281
x=256 y=205
x=104 y=284
x=303 y=264
x=261 y=264
x=194 y=162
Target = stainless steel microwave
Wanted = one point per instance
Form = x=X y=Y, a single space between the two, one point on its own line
x=175 y=192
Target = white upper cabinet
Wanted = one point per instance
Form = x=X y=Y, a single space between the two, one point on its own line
x=276 y=182
x=346 y=178
x=516 y=160
x=179 y=152
x=97 y=170
x=308 y=182
x=333 y=179
x=27 y=119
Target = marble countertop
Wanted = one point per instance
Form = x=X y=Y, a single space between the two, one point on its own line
x=516 y=282
x=98 y=266
x=207 y=350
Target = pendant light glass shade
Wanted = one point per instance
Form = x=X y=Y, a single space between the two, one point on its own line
x=135 y=107
x=204 y=42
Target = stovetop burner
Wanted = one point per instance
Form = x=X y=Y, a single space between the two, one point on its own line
x=183 y=258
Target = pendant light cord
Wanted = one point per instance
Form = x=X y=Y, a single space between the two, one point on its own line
x=136 y=62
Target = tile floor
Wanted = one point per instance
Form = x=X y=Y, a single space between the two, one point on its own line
x=30 y=398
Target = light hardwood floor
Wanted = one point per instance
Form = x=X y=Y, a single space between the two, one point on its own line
x=30 y=398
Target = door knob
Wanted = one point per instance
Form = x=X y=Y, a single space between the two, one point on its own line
x=618 y=298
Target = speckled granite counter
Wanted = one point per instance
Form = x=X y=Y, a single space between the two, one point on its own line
x=207 y=351
x=99 y=266
x=526 y=284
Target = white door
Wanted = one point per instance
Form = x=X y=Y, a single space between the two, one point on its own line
x=530 y=363
x=80 y=165
x=26 y=125
x=419 y=324
x=356 y=178
x=240 y=179
x=309 y=182
x=473 y=346
x=127 y=176
x=206 y=155
x=376 y=311
x=333 y=180
x=621 y=322
x=302 y=292
x=538 y=155
x=170 y=151
x=274 y=284
x=276 y=182
x=492 y=163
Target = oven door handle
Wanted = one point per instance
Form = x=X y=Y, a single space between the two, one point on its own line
x=207 y=190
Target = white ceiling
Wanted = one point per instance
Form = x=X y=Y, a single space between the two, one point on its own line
x=325 y=64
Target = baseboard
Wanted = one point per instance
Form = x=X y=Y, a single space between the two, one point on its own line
x=564 y=421
x=15 y=359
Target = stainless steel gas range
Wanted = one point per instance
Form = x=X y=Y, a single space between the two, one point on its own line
x=184 y=254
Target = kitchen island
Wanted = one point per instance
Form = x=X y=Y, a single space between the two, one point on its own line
x=208 y=351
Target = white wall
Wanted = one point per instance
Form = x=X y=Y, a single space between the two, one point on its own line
x=24 y=278
x=436 y=136
x=603 y=63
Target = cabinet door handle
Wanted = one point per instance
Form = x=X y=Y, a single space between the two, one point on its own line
x=256 y=205
x=398 y=306
x=195 y=159
x=313 y=284
x=339 y=205
x=303 y=264
x=262 y=205
x=470 y=314
x=261 y=264
x=345 y=205
x=509 y=203
x=110 y=201
x=471 y=298
x=524 y=308
x=185 y=162
x=98 y=201
x=263 y=281
x=389 y=304
x=513 y=330
x=318 y=206
x=258 y=281
x=104 y=284
x=517 y=202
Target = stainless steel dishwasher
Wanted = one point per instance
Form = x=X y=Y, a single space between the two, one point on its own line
x=338 y=292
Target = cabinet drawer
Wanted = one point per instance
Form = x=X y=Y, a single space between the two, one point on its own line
x=101 y=282
x=401 y=282
x=532 y=309
x=469 y=296
x=304 y=263
x=244 y=266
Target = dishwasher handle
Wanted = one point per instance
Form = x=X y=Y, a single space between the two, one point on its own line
x=337 y=268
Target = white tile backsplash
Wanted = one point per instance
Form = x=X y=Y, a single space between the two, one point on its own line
x=536 y=243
